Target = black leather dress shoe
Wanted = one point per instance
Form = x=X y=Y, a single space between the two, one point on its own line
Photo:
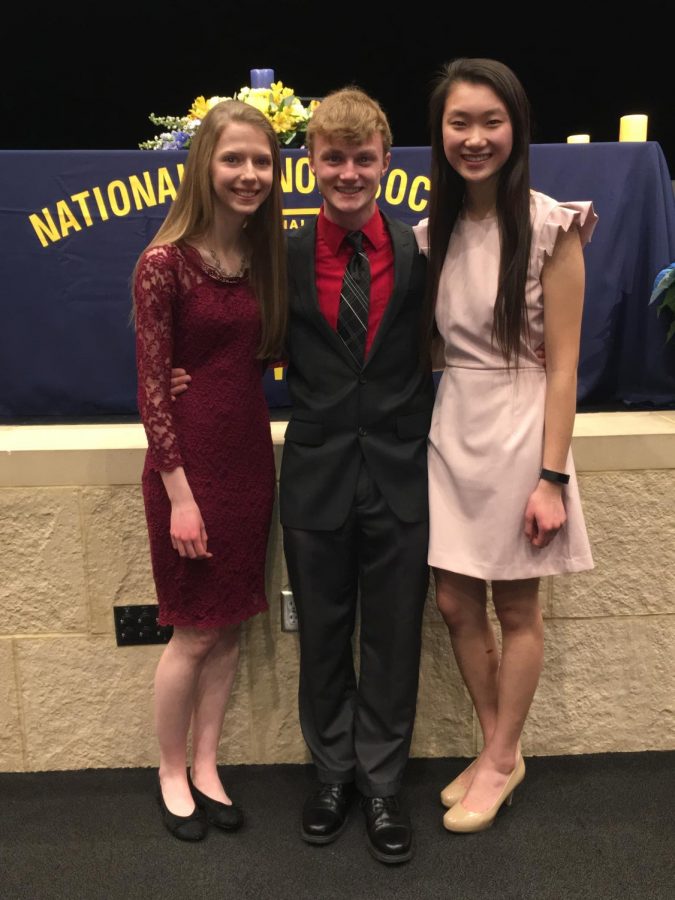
x=227 y=816
x=389 y=830
x=185 y=828
x=324 y=815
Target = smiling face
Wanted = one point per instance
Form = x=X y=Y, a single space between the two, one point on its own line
x=348 y=176
x=477 y=132
x=241 y=170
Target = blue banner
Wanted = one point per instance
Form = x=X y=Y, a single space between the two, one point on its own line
x=73 y=223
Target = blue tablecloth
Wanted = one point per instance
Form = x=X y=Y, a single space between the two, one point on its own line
x=623 y=352
x=72 y=224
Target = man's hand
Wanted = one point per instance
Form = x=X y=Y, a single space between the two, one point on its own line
x=539 y=352
x=179 y=382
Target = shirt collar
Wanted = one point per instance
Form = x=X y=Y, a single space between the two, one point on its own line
x=333 y=235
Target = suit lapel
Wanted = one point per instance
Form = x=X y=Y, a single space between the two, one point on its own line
x=303 y=269
x=405 y=248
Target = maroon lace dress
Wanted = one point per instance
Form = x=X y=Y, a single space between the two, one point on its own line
x=218 y=430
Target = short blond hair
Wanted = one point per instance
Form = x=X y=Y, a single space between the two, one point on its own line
x=349 y=115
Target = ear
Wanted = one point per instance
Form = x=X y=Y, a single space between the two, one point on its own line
x=385 y=164
x=311 y=162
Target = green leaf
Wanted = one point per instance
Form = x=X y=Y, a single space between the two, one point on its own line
x=668 y=303
x=669 y=299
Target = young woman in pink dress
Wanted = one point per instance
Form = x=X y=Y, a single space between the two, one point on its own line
x=209 y=295
x=506 y=273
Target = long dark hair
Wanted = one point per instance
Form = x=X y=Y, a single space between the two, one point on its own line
x=513 y=199
x=191 y=216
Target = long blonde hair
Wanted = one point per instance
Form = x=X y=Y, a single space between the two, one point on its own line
x=191 y=215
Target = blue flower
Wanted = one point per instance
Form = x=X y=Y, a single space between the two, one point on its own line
x=181 y=138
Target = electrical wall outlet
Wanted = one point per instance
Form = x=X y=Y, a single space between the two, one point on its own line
x=289 y=614
x=138 y=625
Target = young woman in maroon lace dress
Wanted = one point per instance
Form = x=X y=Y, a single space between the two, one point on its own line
x=209 y=295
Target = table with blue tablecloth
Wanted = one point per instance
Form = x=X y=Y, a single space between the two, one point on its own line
x=72 y=224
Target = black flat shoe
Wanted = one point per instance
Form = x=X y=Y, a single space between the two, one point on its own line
x=227 y=816
x=185 y=828
x=324 y=814
x=388 y=828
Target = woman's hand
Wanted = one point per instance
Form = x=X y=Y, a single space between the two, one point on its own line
x=544 y=514
x=188 y=534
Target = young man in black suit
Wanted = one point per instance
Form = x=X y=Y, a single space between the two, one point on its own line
x=353 y=485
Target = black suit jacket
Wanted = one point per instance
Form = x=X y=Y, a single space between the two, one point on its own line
x=342 y=412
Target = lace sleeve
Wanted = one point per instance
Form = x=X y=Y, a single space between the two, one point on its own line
x=155 y=287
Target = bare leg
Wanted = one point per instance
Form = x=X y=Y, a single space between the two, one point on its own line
x=463 y=604
x=517 y=607
x=212 y=695
x=175 y=686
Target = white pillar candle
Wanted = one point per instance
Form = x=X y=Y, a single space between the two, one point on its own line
x=633 y=128
x=579 y=139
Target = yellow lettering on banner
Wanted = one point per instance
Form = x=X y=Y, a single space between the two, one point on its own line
x=393 y=196
x=144 y=195
x=304 y=177
x=150 y=188
x=46 y=229
x=287 y=176
x=165 y=185
x=119 y=199
x=67 y=220
x=81 y=199
x=122 y=207
x=98 y=197
x=292 y=224
x=278 y=373
x=417 y=205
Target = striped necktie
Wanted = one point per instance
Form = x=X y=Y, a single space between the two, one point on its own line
x=352 y=325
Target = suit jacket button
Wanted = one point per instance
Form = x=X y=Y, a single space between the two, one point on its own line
x=362 y=432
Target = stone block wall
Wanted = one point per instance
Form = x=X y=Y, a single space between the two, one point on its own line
x=70 y=698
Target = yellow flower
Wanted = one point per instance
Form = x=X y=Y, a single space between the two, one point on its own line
x=283 y=121
x=258 y=97
x=313 y=104
x=279 y=92
x=199 y=108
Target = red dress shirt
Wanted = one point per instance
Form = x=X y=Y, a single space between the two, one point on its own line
x=333 y=253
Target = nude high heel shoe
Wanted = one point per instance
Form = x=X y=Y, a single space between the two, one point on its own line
x=459 y=819
x=454 y=792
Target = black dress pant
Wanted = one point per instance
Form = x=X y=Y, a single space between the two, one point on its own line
x=360 y=730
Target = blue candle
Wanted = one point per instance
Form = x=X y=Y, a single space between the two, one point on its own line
x=262 y=78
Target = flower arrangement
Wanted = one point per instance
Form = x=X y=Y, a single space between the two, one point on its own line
x=286 y=113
